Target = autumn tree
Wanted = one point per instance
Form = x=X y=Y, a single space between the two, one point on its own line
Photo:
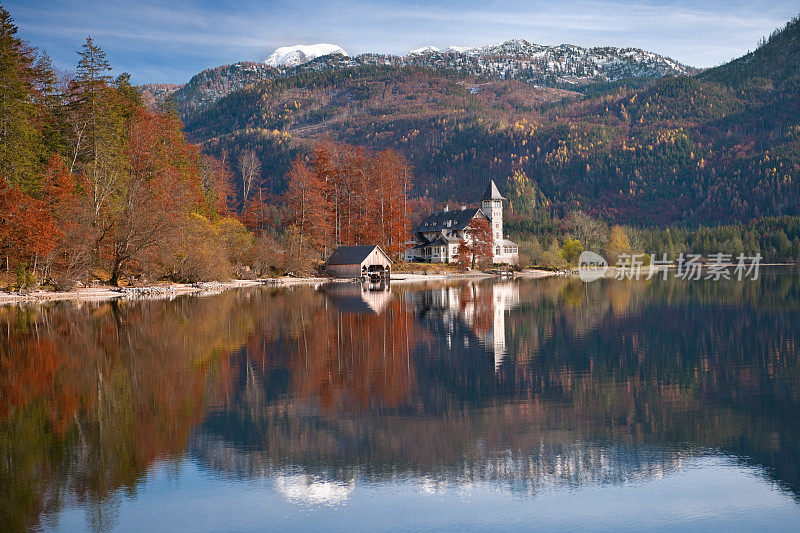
x=592 y=233
x=217 y=182
x=481 y=241
x=256 y=212
x=27 y=232
x=72 y=255
x=390 y=175
x=310 y=209
x=346 y=195
x=164 y=186
x=618 y=243
x=249 y=170
x=463 y=255
x=571 y=250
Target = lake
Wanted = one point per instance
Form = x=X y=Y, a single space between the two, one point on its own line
x=547 y=404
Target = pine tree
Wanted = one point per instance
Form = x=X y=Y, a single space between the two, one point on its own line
x=22 y=151
x=99 y=120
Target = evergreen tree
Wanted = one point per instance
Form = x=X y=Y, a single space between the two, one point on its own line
x=21 y=143
x=99 y=124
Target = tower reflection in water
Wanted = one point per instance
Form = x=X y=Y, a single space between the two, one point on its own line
x=526 y=385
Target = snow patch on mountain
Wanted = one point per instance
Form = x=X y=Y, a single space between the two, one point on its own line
x=517 y=59
x=424 y=50
x=292 y=56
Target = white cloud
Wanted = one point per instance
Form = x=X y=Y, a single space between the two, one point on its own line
x=179 y=38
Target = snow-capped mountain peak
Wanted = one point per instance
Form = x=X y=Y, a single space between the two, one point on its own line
x=424 y=50
x=291 y=56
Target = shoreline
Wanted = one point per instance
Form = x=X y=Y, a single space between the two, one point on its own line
x=155 y=292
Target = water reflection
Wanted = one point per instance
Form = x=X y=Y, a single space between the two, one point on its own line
x=529 y=384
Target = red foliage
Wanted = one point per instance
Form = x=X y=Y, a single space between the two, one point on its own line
x=305 y=196
x=477 y=248
x=26 y=227
x=347 y=196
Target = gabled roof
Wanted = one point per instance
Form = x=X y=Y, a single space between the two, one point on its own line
x=491 y=192
x=442 y=240
x=459 y=219
x=353 y=255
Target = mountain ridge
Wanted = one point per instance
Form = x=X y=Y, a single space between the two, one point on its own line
x=292 y=56
x=549 y=66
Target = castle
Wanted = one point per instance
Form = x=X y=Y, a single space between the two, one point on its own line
x=437 y=237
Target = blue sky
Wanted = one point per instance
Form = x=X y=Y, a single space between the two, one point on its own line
x=172 y=40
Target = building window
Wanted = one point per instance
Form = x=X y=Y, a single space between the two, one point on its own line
x=498 y=251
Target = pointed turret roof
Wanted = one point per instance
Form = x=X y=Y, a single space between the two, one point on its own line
x=492 y=193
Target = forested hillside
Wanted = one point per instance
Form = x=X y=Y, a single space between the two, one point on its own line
x=775 y=59
x=668 y=151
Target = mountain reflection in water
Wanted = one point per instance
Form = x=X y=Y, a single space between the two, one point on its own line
x=531 y=385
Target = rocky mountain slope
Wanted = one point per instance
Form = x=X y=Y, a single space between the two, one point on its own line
x=549 y=66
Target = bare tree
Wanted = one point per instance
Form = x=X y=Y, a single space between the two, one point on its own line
x=250 y=168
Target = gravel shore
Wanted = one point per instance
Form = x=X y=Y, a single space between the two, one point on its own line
x=105 y=292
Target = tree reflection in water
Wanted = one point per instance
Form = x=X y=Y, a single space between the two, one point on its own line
x=529 y=383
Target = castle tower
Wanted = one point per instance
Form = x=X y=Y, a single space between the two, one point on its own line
x=492 y=207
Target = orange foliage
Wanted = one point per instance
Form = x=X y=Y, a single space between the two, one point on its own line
x=348 y=360
x=477 y=248
x=26 y=227
x=347 y=196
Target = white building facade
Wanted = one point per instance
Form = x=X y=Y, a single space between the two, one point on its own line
x=438 y=236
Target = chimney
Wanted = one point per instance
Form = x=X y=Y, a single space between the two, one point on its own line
x=446 y=208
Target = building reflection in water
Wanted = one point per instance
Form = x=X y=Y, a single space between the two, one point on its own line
x=481 y=306
x=367 y=297
x=526 y=384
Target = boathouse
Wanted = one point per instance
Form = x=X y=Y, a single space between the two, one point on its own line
x=359 y=262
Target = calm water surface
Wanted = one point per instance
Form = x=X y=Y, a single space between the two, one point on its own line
x=546 y=404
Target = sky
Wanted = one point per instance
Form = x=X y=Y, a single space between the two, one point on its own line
x=170 y=41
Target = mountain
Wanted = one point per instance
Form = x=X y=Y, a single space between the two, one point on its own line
x=156 y=93
x=565 y=66
x=423 y=50
x=292 y=56
x=776 y=59
x=675 y=151
x=654 y=149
